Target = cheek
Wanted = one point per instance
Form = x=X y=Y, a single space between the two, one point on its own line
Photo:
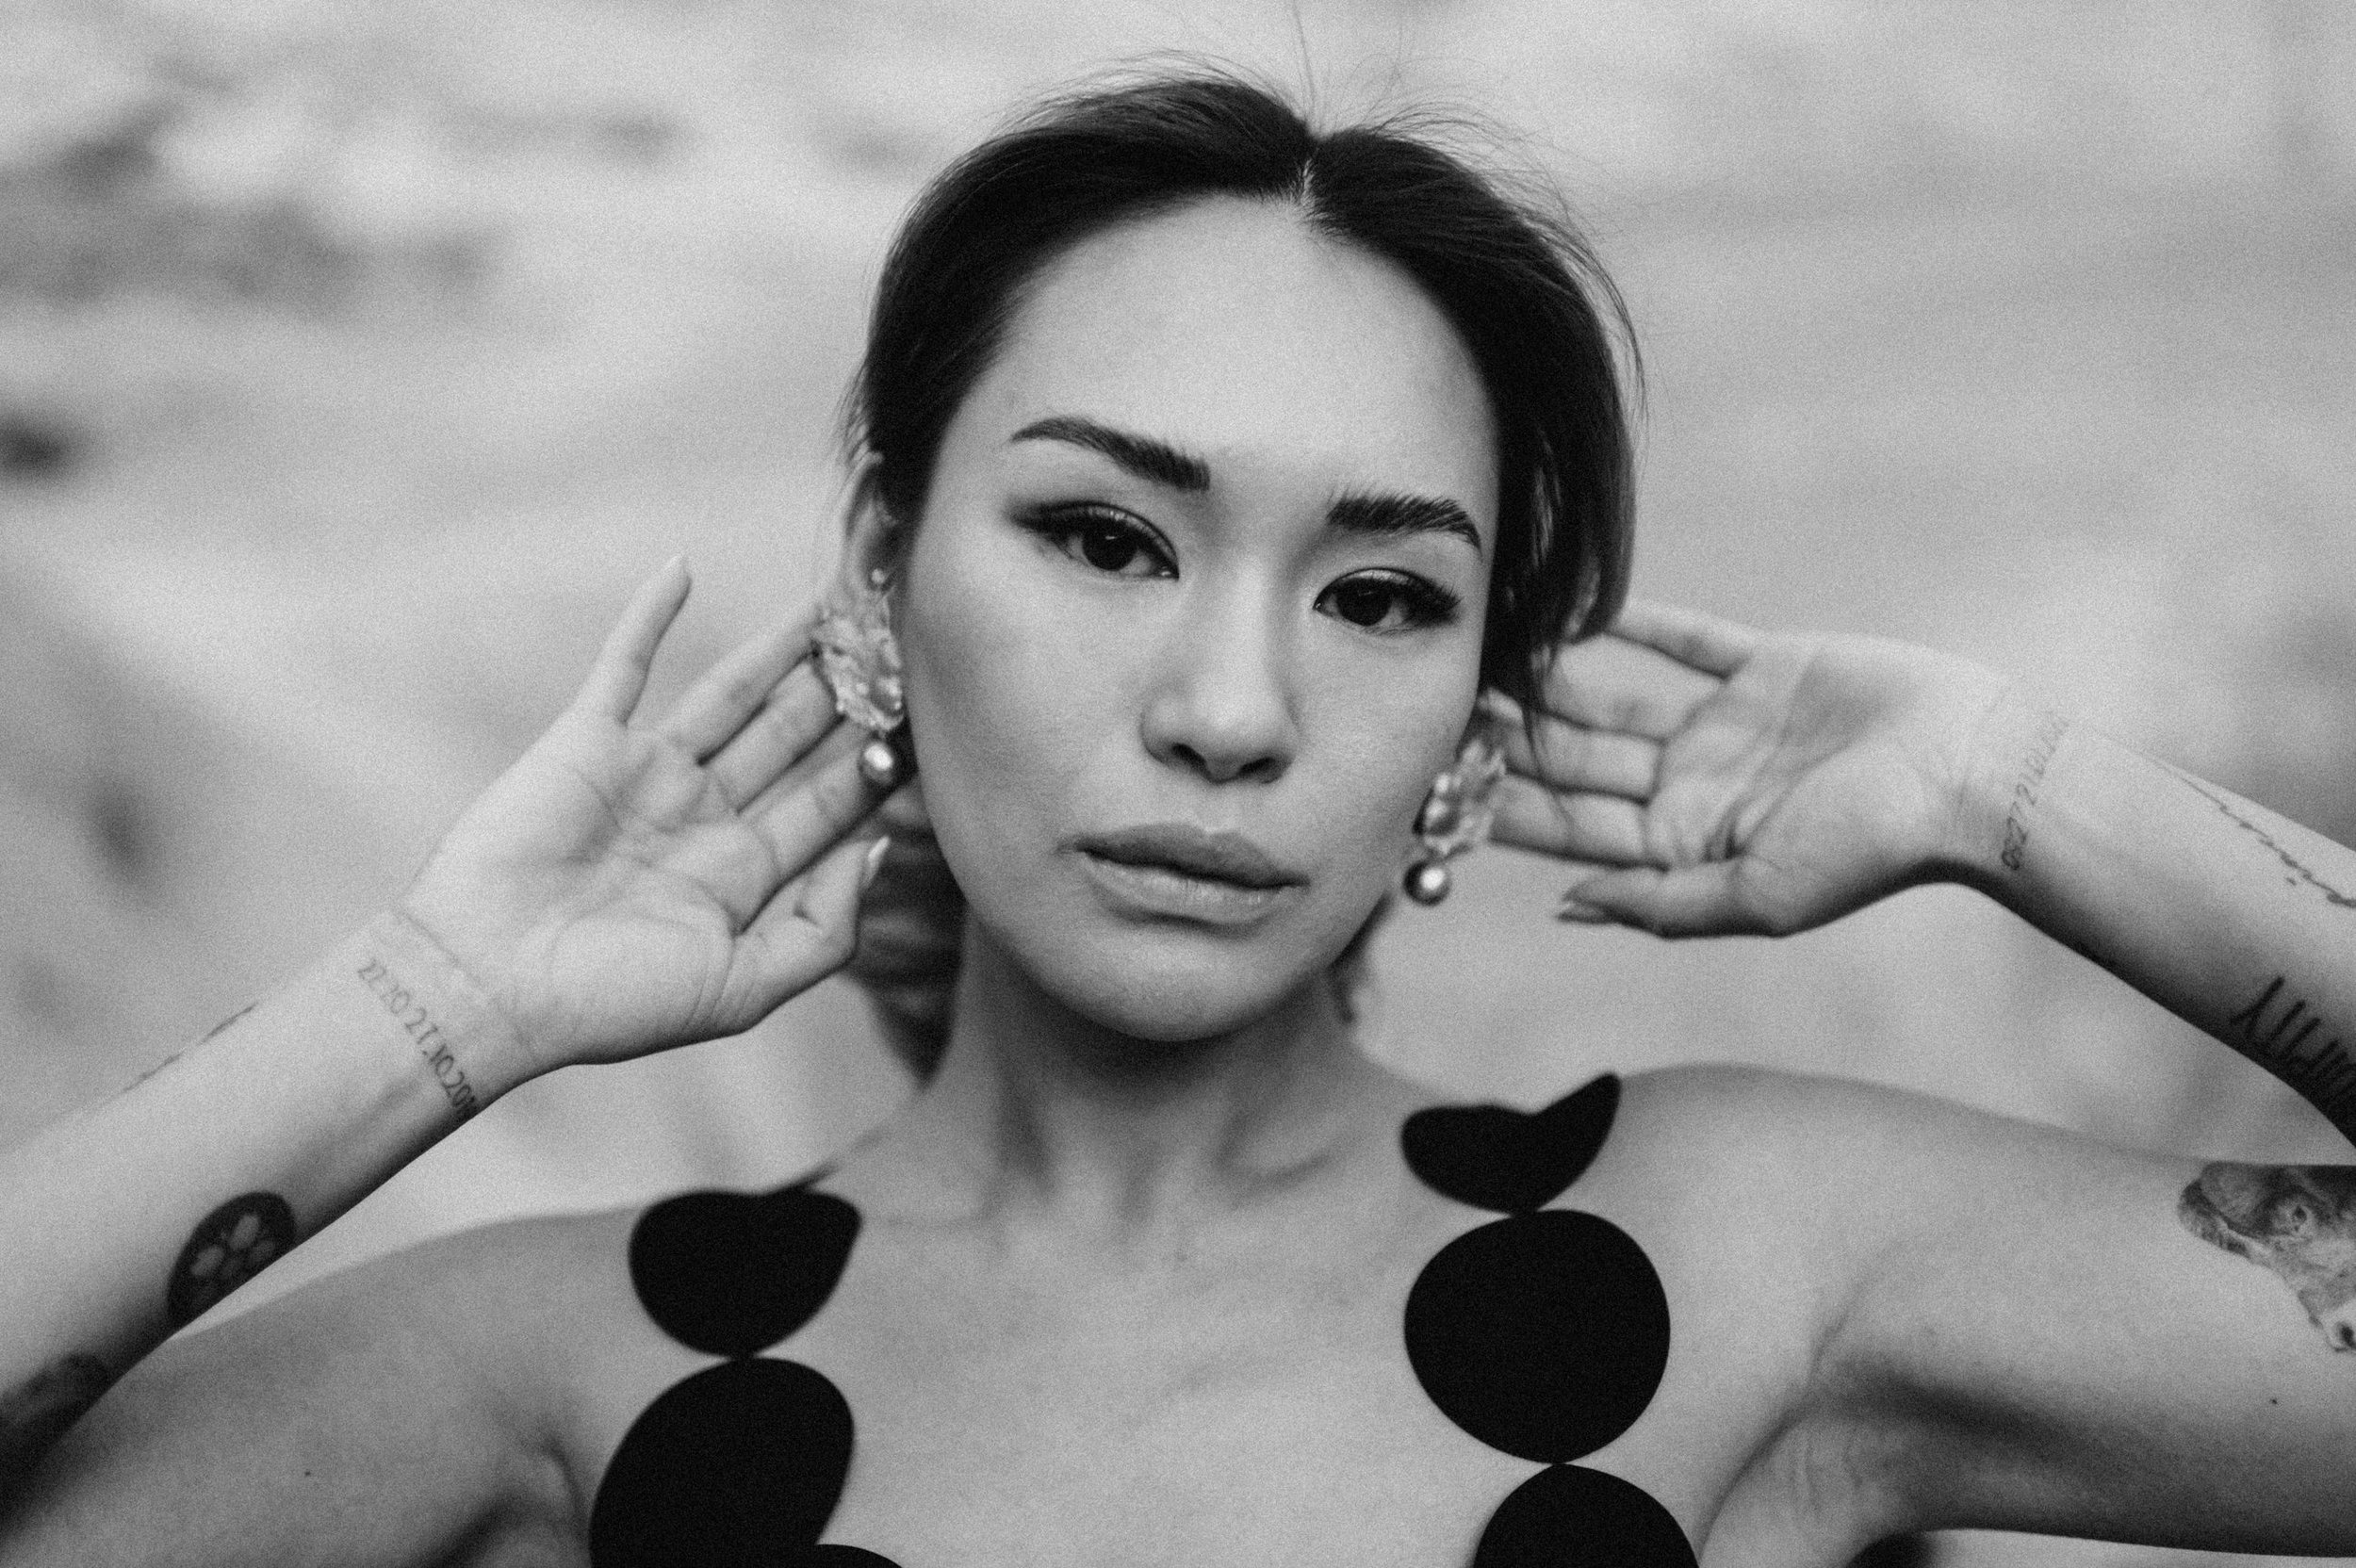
x=1003 y=704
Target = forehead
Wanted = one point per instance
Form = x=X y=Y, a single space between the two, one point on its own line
x=1235 y=329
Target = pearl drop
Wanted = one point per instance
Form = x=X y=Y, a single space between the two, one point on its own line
x=879 y=764
x=1427 y=882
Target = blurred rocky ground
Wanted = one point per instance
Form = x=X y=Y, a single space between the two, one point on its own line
x=357 y=356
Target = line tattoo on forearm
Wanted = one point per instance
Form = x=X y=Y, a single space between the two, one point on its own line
x=2049 y=738
x=411 y=1014
x=225 y=1022
x=2294 y=870
x=2279 y=1031
x=36 y=1412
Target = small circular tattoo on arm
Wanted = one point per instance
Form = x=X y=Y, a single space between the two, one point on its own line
x=229 y=1246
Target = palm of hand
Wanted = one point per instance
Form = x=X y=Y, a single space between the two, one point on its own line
x=1716 y=780
x=625 y=887
x=614 y=877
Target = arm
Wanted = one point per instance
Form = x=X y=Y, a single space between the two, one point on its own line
x=624 y=887
x=2235 y=919
x=2030 y=1332
x=405 y=1411
x=1708 y=779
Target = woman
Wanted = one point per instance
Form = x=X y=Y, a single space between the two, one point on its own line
x=1220 y=486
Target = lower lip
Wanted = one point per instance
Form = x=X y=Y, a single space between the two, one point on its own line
x=1159 y=890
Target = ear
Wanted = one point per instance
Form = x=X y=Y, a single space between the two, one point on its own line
x=873 y=539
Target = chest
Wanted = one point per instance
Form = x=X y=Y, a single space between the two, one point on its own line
x=1262 y=1409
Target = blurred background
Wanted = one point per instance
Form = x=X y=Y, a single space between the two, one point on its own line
x=357 y=356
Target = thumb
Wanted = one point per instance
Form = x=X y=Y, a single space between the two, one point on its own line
x=1689 y=901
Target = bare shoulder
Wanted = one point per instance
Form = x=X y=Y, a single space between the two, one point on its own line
x=451 y=1365
x=1750 y=1124
x=1833 y=1179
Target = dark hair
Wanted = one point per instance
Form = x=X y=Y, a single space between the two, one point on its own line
x=1546 y=330
x=1514 y=277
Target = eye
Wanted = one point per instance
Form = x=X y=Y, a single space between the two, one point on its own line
x=1102 y=539
x=1389 y=601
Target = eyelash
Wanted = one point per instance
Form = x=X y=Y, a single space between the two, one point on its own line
x=1426 y=604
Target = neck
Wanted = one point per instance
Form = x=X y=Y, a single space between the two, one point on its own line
x=1038 y=1108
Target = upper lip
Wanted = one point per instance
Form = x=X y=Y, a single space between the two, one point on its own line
x=1195 y=851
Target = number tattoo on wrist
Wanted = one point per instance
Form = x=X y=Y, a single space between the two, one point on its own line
x=410 y=1013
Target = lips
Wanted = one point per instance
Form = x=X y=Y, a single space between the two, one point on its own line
x=1190 y=851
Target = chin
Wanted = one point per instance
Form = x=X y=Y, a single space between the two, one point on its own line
x=1173 y=987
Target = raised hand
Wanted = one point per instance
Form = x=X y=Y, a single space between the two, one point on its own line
x=626 y=886
x=1706 y=778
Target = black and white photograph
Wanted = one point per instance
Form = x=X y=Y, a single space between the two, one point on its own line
x=1177 y=783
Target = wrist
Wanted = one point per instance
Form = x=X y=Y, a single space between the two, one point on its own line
x=2000 y=778
x=465 y=1049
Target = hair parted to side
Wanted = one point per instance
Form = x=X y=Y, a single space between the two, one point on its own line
x=1547 y=333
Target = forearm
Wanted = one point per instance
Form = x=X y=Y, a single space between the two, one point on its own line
x=2233 y=918
x=126 y=1220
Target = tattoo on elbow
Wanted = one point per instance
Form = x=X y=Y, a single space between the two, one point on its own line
x=229 y=1247
x=2299 y=1222
x=37 y=1411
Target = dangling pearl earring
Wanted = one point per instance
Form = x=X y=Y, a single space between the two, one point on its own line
x=858 y=659
x=1456 y=815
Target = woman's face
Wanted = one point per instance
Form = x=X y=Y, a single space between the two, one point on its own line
x=1193 y=613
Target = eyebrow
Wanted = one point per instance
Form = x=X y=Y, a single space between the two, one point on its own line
x=1156 y=462
x=1382 y=515
x=1393 y=516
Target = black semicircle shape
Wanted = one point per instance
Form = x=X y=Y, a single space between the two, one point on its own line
x=1568 y=1517
x=1543 y=1334
x=1513 y=1162
x=738 y=1466
x=730 y=1273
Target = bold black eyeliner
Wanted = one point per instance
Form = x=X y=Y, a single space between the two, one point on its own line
x=1059 y=524
x=1427 y=604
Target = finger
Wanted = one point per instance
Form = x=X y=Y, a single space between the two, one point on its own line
x=1690 y=901
x=1567 y=756
x=1581 y=873
x=903 y=813
x=729 y=692
x=808 y=930
x=797 y=715
x=618 y=675
x=816 y=804
x=1610 y=683
x=1602 y=828
x=1708 y=644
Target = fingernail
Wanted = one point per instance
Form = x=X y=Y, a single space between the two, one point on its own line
x=874 y=863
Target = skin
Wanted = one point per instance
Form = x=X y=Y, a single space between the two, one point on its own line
x=1129 y=1287
x=1221 y=694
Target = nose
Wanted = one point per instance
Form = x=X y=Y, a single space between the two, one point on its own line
x=1222 y=704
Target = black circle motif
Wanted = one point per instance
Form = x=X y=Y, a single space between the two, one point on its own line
x=229 y=1247
x=739 y=1466
x=1569 y=1517
x=728 y=1273
x=1513 y=1162
x=1544 y=1335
